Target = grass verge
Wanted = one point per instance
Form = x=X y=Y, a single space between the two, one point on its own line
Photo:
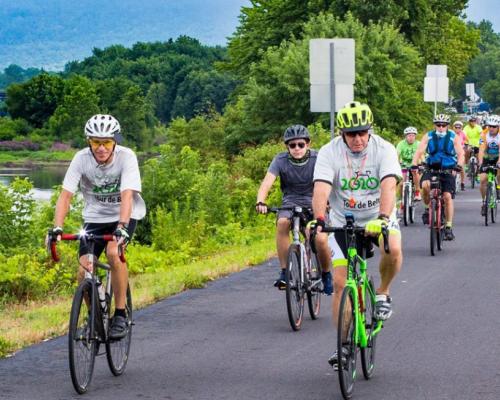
x=26 y=324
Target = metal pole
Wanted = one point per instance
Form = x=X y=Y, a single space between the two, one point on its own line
x=435 y=97
x=332 y=92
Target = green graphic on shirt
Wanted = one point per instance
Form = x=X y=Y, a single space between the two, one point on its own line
x=107 y=187
x=360 y=183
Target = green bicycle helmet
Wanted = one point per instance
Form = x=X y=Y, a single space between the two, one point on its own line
x=355 y=116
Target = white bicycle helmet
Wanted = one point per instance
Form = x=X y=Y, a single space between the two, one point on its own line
x=102 y=126
x=410 y=129
x=442 y=119
x=493 y=120
x=458 y=123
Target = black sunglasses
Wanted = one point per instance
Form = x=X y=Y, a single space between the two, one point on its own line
x=301 y=145
x=441 y=125
x=356 y=133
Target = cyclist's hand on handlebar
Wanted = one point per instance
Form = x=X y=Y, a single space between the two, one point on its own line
x=54 y=235
x=316 y=225
x=261 y=207
x=121 y=234
x=375 y=226
x=414 y=167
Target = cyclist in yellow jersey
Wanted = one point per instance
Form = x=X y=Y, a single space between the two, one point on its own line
x=473 y=132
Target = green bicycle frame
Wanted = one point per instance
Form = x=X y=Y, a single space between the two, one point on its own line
x=492 y=175
x=358 y=283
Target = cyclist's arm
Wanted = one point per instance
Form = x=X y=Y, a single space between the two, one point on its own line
x=482 y=149
x=387 y=195
x=320 y=198
x=127 y=201
x=265 y=187
x=457 y=143
x=62 y=207
x=420 y=153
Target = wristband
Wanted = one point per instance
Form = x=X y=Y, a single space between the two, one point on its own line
x=260 y=203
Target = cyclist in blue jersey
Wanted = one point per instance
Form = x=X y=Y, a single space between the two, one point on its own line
x=445 y=152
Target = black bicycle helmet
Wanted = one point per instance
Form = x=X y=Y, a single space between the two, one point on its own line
x=296 y=132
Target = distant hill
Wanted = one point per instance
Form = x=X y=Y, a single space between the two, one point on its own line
x=49 y=33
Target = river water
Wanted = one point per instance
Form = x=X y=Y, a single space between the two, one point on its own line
x=44 y=178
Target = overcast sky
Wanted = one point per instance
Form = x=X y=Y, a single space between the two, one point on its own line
x=484 y=9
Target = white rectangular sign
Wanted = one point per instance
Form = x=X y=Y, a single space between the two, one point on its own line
x=320 y=97
x=436 y=89
x=469 y=89
x=437 y=71
x=343 y=61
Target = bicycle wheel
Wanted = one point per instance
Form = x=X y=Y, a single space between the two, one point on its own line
x=472 y=175
x=117 y=351
x=368 y=352
x=432 y=228
x=412 y=205
x=487 y=202
x=294 y=290
x=493 y=207
x=406 y=205
x=346 y=342
x=314 y=295
x=82 y=344
x=440 y=222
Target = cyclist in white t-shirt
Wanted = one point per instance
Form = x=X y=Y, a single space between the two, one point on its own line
x=109 y=180
x=358 y=173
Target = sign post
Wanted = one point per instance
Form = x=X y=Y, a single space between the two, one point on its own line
x=331 y=75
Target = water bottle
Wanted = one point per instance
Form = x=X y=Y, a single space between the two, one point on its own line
x=102 y=296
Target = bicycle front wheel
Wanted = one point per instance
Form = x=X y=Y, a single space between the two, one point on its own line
x=432 y=227
x=406 y=205
x=314 y=294
x=368 y=352
x=440 y=222
x=346 y=343
x=487 y=202
x=294 y=289
x=493 y=207
x=82 y=344
x=117 y=351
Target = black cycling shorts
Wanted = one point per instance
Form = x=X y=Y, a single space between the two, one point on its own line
x=447 y=181
x=107 y=228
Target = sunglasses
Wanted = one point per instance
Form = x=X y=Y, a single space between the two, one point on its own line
x=441 y=125
x=356 y=133
x=107 y=143
x=457 y=126
x=300 y=145
x=492 y=126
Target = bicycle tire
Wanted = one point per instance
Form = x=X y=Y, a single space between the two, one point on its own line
x=117 y=351
x=494 y=207
x=314 y=295
x=487 y=202
x=412 y=205
x=346 y=332
x=406 y=206
x=440 y=222
x=432 y=211
x=368 y=353
x=472 y=175
x=294 y=290
x=82 y=345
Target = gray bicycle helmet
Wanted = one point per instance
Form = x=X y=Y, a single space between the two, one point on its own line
x=296 y=132
x=442 y=119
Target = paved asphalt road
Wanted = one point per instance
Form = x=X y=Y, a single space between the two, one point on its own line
x=232 y=340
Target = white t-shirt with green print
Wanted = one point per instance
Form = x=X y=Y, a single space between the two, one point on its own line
x=101 y=185
x=356 y=177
